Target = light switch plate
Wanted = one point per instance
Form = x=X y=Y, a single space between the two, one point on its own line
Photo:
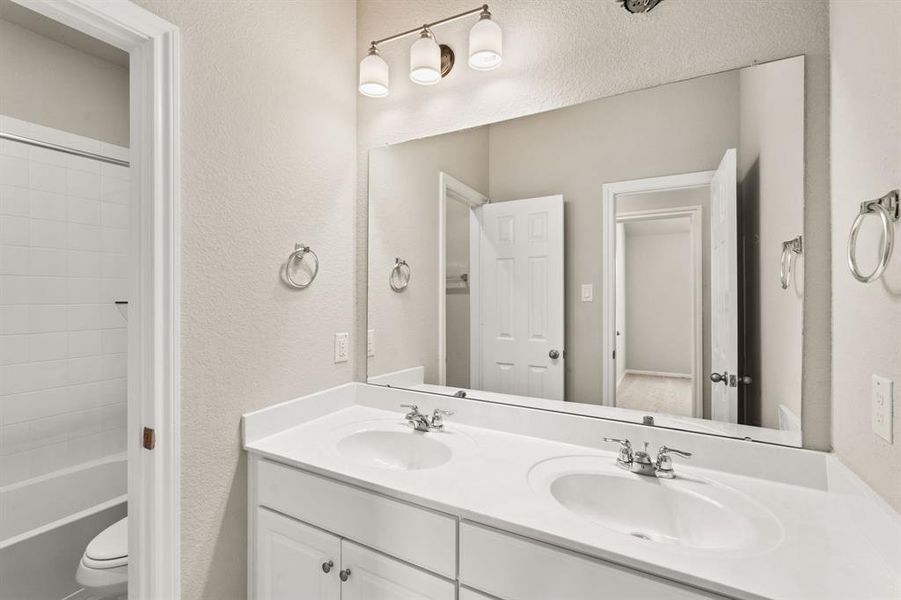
x=341 y=347
x=587 y=292
x=882 y=407
x=370 y=342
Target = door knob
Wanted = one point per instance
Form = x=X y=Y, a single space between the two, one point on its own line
x=327 y=566
x=554 y=354
x=720 y=378
x=344 y=575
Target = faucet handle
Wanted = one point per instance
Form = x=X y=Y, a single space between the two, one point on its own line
x=624 y=459
x=663 y=451
x=413 y=408
x=664 y=467
x=438 y=417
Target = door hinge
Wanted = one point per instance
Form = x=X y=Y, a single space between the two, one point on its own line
x=149 y=438
x=614 y=355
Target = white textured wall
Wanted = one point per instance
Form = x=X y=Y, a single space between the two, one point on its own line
x=268 y=94
x=569 y=51
x=49 y=83
x=866 y=163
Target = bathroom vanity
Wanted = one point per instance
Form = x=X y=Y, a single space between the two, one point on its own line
x=348 y=500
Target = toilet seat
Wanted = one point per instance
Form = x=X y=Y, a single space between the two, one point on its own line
x=109 y=548
x=103 y=569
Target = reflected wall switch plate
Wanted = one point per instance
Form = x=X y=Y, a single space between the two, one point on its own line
x=587 y=292
x=341 y=349
x=370 y=342
x=882 y=407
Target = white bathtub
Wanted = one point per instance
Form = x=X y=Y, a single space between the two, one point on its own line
x=46 y=522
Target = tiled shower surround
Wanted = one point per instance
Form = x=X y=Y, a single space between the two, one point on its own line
x=63 y=264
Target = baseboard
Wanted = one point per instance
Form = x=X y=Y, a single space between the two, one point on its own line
x=657 y=374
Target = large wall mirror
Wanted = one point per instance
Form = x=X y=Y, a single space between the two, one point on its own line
x=638 y=257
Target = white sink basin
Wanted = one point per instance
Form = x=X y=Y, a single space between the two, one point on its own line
x=394 y=445
x=686 y=512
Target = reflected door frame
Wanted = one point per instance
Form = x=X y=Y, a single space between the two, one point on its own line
x=610 y=193
x=451 y=188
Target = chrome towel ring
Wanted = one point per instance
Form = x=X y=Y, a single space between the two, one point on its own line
x=790 y=248
x=300 y=251
x=400 y=275
x=887 y=209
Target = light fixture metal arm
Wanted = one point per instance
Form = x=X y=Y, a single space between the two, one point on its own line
x=428 y=26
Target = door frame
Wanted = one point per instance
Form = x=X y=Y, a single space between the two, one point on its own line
x=609 y=193
x=154 y=261
x=451 y=188
x=695 y=215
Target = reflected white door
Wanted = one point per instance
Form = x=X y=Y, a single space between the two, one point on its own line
x=620 y=344
x=724 y=289
x=521 y=297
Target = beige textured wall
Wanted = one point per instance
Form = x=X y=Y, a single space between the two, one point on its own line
x=866 y=163
x=659 y=335
x=268 y=94
x=49 y=83
x=771 y=172
x=569 y=51
x=404 y=223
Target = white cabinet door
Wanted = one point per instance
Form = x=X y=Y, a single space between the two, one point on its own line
x=290 y=559
x=372 y=576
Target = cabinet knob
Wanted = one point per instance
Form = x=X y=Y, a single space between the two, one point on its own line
x=344 y=575
x=327 y=566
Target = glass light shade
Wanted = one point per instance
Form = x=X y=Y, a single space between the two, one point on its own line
x=374 y=75
x=425 y=60
x=485 y=45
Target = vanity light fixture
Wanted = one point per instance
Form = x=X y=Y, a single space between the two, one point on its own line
x=429 y=60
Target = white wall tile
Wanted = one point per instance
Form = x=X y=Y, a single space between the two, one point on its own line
x=47 y=262
x=48 y=234
x=47 y=178
x=63 y=261
x=14 y=201
x=13 y=260
x=14 y=230
x=83 y=184
x=84 y=210
x=85 y=343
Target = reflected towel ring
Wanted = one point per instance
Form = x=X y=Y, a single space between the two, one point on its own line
x=300 y=251
x=400 y=275
x=887 y=209
x=789 y=249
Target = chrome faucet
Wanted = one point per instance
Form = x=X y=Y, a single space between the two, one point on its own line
x=639 y=461
x=421 y=422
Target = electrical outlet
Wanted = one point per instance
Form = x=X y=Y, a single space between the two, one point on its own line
x=370 y=342
x=882 y=407
x=587 y=292
x=341 y=347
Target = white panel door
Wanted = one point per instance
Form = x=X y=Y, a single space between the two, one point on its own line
x=521 y=297
x=292 y=560
x=724 y=289
x=369 y=575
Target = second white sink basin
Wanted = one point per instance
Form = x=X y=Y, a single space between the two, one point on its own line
x=393 y=445
x=687 y=512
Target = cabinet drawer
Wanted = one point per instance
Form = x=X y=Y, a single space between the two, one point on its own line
x=373 y=576
x=514 y=568
x=416 y=535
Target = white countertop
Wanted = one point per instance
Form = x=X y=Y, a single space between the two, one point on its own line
x=833 y=544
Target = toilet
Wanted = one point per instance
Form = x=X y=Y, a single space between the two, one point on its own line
x=103 y=569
